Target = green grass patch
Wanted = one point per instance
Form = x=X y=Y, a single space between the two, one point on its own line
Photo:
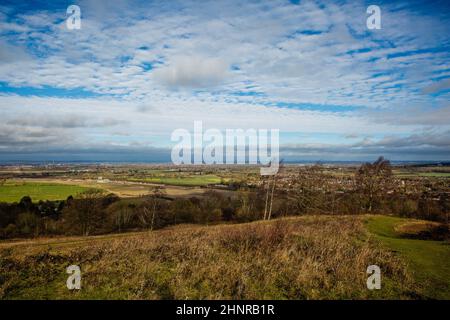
x=423 y=174
x=429 y=260
x=14 y=191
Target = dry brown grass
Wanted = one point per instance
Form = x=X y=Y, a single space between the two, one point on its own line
x=296 y=258
x=425 y=230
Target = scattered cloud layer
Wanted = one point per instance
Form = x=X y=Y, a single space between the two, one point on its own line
x=137 y=70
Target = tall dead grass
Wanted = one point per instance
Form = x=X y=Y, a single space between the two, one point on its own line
x=313 y=257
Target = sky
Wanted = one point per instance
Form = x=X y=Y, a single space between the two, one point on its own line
x=115 y=89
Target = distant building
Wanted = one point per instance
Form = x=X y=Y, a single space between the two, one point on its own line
x=101 y=180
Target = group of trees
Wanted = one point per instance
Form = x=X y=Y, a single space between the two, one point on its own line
x=312 y=190
x=27 y=218
x=372 y=189
x=94 y=212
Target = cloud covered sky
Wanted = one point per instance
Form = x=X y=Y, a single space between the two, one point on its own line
x=137 y=70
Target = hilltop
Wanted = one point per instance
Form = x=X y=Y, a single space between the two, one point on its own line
x=310 y=257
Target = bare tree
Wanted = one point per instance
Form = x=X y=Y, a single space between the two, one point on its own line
x=85 y=214
x=373 y=181
x=149 y=210
x=267 y=186
x=309 y=189
x=122 y=215
x=270 y=190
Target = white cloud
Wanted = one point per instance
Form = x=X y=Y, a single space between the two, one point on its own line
x=163 y=65
x=192 y=72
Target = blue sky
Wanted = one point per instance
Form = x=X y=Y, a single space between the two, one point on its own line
x=137 y=70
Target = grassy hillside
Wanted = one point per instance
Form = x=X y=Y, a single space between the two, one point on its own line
x=428 y=260
x=311 y=257
x=14 y=191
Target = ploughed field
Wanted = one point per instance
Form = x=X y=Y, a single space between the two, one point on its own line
x=60 y=189
x=200 y=180
x=309 y=257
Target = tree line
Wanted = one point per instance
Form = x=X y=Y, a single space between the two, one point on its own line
x=310 y=190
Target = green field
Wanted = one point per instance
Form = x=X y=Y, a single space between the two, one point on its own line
x=423 y=174
x=429 y=260
x=14 y=191
x=193 y=180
